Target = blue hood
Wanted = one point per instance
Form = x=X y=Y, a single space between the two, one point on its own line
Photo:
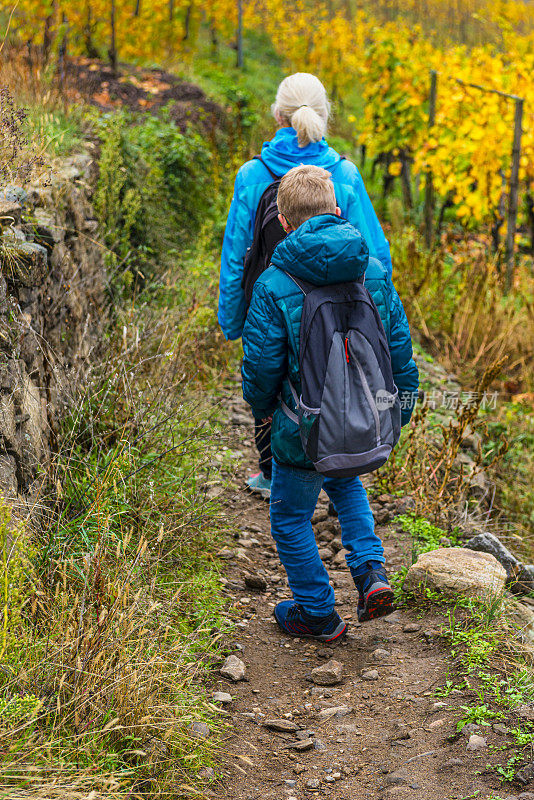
x=324 y=250
x=283 y=153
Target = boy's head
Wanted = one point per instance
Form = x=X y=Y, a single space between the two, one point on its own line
x=305 y=192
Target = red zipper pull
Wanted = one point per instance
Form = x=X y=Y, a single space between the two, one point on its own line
x=347 y=348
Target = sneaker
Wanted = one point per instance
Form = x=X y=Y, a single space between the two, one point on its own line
x=259 y=484
x=376 y=595
x=294 y=620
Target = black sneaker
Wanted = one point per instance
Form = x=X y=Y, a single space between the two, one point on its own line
x=376 y=595
x=294 y=620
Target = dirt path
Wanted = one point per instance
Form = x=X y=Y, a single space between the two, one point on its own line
x=389 y=737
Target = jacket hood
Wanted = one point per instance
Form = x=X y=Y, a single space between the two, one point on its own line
x=283 y=153
x=324 y=250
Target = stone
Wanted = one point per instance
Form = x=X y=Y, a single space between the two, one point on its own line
x=488 y=543
x=339 y=559
x=499 y=728
x=397 y=778
x=437 y=723
x=525 y=712
x=298 y=769
x=476 y=742
x=328 y=674
x=222 y=697
x=29 y=263
x=325 y=553
x=199 y=730
x=369 y=674
x=313 y=783
x=525 y=775
x=401 y=731
x=318 y=744
x=337 y=712
x=233 y=668
x=455 y=569
x=207 y=774
x=256 y=582
x=307 y=744
x=304 y=735
x=453 y=762
x=10 y=213
x=411 y=627
x=526 y=796
x=282 y=725
x=380 y=654
x=46 y=228
x=291 y=782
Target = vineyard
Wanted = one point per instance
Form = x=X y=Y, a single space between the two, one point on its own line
x=462 y=146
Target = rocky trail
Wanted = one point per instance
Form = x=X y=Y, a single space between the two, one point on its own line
x=356 y=720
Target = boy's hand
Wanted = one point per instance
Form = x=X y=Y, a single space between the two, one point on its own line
x=267 y=420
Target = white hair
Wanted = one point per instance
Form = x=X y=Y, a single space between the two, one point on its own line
x=301 y=102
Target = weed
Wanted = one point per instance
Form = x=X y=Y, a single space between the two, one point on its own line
x=477 y=715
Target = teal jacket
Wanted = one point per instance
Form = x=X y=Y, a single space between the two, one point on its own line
x=281 y=154
x=324 y=250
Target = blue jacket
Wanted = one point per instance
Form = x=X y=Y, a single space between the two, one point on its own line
x=324 y=250
x=282 y=154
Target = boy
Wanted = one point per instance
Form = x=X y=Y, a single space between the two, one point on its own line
x=322 y=249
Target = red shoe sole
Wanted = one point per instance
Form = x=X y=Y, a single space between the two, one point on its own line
x=380 y=603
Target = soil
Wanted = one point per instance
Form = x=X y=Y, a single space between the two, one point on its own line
x=398 y=739
x=137 y=89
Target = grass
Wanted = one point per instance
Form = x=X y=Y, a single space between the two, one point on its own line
x=111 y=612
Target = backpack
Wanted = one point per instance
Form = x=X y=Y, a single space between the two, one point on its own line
x=349 y=412
x=267 y=234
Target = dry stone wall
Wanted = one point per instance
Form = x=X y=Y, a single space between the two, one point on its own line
x=52 y=313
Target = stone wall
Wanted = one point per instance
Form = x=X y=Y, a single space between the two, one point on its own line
x=52 y=312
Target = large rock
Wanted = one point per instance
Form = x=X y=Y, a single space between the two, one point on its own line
x=518 y=576
x=454 y=570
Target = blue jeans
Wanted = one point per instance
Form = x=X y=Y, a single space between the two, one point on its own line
x=294 y=494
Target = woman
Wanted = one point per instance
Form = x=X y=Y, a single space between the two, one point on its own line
x=301 y=111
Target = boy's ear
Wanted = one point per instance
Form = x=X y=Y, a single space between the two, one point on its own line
x=284 y=223
x=338 y=211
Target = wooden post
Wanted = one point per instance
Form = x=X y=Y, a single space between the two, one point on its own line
x=113 y=36
x=513 y=193
x=429 y=185
x=240 y=34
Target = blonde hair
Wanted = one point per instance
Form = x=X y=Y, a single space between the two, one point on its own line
x=304 y=192
x=301 y=102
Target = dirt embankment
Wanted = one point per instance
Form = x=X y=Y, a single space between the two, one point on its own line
x=139 y=90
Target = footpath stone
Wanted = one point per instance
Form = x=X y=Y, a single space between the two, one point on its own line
x=369 y=674
x=476 y=742
x=337 y=712
x=233 y=668
x=411 y=627
x=282 y=725
x=452 y=570
x=328 y=674
x=222 y=697
x=380 y=654
x=525 y=775
x=199 y=730
x=256 y=582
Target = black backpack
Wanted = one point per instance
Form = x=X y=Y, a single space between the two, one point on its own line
x=267 y=234
x=349 y=413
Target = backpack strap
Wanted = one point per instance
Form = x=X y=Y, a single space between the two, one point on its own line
x=304 y=286
x=269 y=170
